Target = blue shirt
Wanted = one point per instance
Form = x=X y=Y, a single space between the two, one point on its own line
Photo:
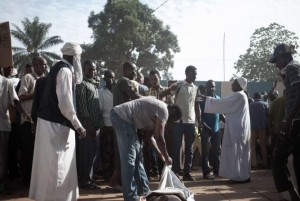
x=258 y=114
x=211 y=120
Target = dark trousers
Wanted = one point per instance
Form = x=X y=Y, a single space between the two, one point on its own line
x=214 y=151
x=27 y=146
x=4 y=137
x=107 y=151
x=13 y=150
x=286 y=145
x=87 y=150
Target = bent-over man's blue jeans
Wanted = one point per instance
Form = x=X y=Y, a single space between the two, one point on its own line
x=134 y=178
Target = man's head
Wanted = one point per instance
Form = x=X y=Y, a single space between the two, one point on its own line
x=210 y=87
x=72 y=53
x=39 y=65
x=109 y=78
x=14 y=73
x=129 y=70
x=202 y=89
x=282 y=55
x=239 y=84
x=154 y=77
x=28 y=69
x=175 y=112
x=191 y=74
x=89 y=69
x=257 y=96
x=139 y=77
x=8 y=71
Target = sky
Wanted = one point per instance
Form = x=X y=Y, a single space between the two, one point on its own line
x=211 y=34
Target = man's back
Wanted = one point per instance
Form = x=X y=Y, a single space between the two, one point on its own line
x=143 y=112
x=6 y=94
x=258 y=114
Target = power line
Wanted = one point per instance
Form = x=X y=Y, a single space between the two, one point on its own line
x=160 y=6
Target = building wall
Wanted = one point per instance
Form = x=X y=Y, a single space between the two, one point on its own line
x=223 y=89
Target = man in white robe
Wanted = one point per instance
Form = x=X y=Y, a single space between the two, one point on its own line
x=54 y=174
x=235 y=155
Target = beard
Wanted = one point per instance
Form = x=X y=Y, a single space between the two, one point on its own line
x=77 y=69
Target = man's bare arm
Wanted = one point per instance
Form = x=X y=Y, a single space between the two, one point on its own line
x=160 y=141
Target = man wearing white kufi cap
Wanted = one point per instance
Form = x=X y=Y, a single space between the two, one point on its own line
x=235 y=154
x=54 y=174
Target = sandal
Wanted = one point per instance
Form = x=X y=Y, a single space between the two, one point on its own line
x=90 y=185
x=209 y=176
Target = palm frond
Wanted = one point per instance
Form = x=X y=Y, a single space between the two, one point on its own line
x=20 y=35
x=18 y=49
x=51 y=41
x=34 y=38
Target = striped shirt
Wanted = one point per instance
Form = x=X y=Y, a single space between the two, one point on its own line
x=87 y=102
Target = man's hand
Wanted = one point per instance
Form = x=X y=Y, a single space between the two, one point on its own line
x=27 y=118
x=168 y=161
x=81 y=132
x=174 y=86
x=200 y=128
x=286 y=127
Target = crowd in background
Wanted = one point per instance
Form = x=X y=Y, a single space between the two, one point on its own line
x=253 y=125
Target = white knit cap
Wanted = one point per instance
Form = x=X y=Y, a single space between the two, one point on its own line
x=242 y=82
x=71 y=49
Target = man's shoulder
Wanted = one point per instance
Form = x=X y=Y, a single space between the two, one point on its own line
x=5 y=80
x=294 y=63
x=58 y=66
x=122 y=79
x=60 y=63
x=27 y=76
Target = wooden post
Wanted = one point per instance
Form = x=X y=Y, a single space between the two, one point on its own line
x=5 y=45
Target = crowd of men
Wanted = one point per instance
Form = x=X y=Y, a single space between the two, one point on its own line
x=60 y=130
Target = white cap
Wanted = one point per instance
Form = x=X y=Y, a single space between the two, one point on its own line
x=242 y=82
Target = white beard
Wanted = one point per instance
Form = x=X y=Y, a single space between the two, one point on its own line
x=77 y=69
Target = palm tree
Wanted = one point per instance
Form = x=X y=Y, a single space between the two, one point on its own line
x=34 y=38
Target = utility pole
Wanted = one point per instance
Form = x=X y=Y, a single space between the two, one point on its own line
x=224 y=55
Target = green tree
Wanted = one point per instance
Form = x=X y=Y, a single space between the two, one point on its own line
x=254 y=65
x=35 y=41
x=128 y=30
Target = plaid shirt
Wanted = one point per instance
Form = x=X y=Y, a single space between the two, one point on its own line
x=169 y=99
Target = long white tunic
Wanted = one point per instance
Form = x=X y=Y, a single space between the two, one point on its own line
x=54 y=174
x=235 y=155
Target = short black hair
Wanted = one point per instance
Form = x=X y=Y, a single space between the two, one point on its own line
x=257 y=95
x=36 y=59
x=127 y=65
x=190 y=68
x=87 y=63
x=175 y=112
x=28 y=66
x=154 y=72
x=107 y=72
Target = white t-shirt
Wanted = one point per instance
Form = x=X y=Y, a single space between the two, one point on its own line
x=106 y=105
x=7 y=96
